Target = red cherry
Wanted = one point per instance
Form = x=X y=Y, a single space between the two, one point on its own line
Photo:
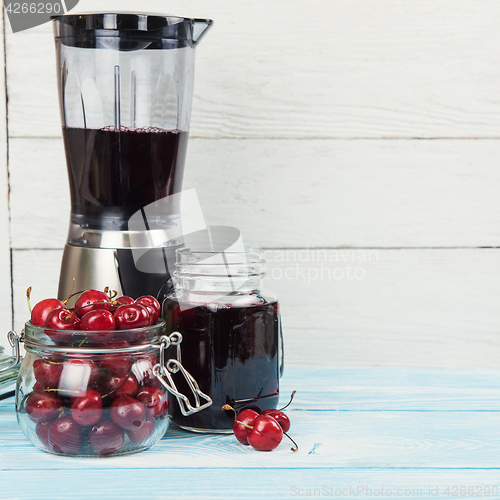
x=100 y=324
x=266 y=434
x=144 y=433
x=131 y=316
x=43 y=309
x=42 y=406
x=128 y=413
x=61 y=319
x=143 y=370
x=98 y=319
x=280 y=417
x=246 y=417
x=155 y=400
x=47 y=373
x=120 y=301
x=65 y=436
x=120 y=385
x=91 y=300
x=42 y=431
x=116 y=363
x=152 y=305
x=87 y=408
x=77 y=375
x=106 y=438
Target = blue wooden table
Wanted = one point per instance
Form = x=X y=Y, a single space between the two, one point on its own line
x=361 y=433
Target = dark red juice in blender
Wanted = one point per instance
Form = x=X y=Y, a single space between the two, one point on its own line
x=113 y=174
x=232 y=352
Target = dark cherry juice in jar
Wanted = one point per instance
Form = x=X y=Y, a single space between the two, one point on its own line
x=231 y=332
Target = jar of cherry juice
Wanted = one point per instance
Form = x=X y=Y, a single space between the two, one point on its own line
x=231 y=334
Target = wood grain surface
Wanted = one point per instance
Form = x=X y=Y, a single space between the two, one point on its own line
x=211 y=483
x=432 y=308
x=307 y=131
x=334 y=69
x=285 y=193
x=345 y=442
x=6 y=315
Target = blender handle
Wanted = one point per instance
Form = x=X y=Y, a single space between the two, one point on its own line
x=200 y=27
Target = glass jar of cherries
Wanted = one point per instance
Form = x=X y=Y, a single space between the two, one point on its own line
x=85 y=393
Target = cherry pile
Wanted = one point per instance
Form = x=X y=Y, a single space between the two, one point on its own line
x=94 y=312
x=95 y=403
x=263 y=431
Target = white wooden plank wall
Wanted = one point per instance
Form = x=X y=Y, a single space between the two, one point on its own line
x=5 y=240
x=307 y=131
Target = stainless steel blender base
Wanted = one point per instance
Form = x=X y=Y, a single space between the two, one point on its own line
x=91 y=268
x=115 y=268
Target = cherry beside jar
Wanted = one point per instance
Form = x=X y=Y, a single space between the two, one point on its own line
x=81 y=398
x=231 y=330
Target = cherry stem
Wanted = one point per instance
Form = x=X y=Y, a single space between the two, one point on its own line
x=66 y=300
x=110 y=293
x=28 y=295
x=126 y=378
x=229 y=407
x=88 y=305
x=281 y=409
x=83 y=341
x=295 y=444
x=69 y=315
x=244 y=425
x=289 y=402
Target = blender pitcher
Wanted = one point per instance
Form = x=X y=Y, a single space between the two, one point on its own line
x=125 y=89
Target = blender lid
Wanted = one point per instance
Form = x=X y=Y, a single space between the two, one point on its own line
x=161 y=31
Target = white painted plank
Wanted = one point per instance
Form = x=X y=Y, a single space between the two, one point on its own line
x=285 y=193
x=243 y=483
x=412 y=308
x=38 y=269
x=40 y=204
x=350 y=193
x=346 y=68
x=5 y=274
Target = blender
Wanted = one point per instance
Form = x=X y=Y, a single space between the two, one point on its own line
x=125 y=89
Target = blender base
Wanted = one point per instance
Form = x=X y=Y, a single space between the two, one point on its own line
x=97 y=268
x=91 y=268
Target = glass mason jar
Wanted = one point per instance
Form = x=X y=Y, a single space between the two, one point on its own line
x=231 y=329
x=82 y=398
